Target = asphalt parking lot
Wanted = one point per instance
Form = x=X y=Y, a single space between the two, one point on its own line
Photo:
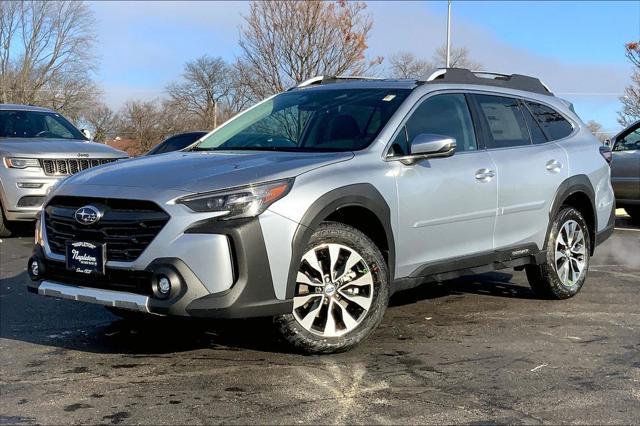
x=475 y=350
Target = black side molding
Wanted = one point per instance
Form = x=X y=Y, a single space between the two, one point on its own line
x=511 y=257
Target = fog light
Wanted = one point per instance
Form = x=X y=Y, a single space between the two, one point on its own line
x=35 y=268
x=164 y=285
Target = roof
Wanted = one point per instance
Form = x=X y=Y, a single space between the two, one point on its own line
x=19 y=107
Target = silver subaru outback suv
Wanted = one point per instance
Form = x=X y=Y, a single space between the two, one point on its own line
x=38 y=147
x=317 y=204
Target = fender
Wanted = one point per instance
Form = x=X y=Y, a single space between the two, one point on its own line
x=361 y=195
x=577 y=183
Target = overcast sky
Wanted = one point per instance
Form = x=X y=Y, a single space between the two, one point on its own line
x=577 y=48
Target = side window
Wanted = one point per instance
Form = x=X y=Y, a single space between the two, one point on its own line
x=505 y=121
x=629 y=142
x=537 y=136
x=553 y=123
x=446 y=115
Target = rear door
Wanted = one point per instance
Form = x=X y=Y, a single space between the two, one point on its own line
x=528 y=173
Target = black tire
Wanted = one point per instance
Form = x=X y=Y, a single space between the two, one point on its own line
x=634 y=212
x=5 y=230
x=544 y=279
x=305 y=341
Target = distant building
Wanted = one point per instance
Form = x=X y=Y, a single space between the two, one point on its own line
x=127 y=145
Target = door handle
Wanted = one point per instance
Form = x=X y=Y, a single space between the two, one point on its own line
x=554 y=166
x=485 y=175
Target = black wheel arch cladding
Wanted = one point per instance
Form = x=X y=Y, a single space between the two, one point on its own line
x=362 y=195
x=578 y=184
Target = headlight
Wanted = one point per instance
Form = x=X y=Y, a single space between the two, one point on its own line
x=246 y=201
x=21 y=163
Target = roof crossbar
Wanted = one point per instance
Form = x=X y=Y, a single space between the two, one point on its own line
x=510 y=81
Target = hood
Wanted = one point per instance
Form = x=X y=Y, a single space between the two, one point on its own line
x=205 y=171
x=56 y=148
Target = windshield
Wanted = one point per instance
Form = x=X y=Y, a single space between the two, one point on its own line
x=36 y=124
x=310 y=120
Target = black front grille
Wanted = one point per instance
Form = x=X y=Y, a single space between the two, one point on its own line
x=138 y=282
x=70 y=166
x=127 y=227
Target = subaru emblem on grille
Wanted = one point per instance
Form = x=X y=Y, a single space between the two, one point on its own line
x=87 y=215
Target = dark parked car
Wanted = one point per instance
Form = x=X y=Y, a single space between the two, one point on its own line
x=176 y=142
x=625 y=169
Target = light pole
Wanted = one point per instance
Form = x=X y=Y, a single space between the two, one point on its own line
x=448 y=34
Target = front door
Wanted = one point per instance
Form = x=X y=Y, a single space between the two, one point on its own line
x=446 y=206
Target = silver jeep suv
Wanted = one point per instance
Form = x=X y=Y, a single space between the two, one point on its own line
x=317 y=204
x=38 y=147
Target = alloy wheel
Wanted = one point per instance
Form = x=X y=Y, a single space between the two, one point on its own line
x=570 y=256
x=334 y=290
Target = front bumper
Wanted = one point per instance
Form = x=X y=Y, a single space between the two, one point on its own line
x=24 y=203
x=237 y=284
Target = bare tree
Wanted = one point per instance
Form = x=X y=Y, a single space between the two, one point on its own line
x=631 y=99
x=407 y=65
x=141 y=121
x=150 y=122
x=100 y=120
x=206 y=83
x=596 y=128
x=459 y=58
x=46 y=54
x=284 y=42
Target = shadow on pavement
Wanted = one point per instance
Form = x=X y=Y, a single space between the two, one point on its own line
x=22 y=229
x=91 y=328
x=496 y=284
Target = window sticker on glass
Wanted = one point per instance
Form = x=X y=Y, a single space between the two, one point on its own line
x=389 y=98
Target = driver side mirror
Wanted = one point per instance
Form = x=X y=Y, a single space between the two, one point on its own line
x=429 y=145
x=86 y=133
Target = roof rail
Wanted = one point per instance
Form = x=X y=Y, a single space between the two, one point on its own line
x=310 y=81
x=510 y=81
x=324 y=79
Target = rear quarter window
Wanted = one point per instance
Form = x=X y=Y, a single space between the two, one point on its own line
x=554 y=125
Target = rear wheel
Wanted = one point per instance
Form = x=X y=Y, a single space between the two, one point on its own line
x=341 y=294
x=567 y=260
x=5 y=231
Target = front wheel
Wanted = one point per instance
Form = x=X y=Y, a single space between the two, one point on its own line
x=567 y=260
x=341 y=293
